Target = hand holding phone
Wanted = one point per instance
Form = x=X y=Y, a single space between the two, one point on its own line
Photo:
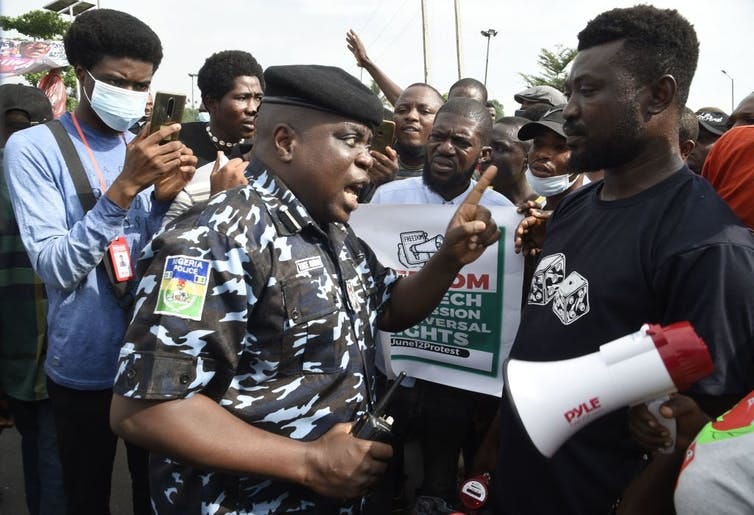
x=383 y=136
x=167 y=110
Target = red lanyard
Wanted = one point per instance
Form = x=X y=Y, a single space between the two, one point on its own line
x=91 y=154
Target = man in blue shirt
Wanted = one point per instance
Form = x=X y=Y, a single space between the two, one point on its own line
x=132 y=181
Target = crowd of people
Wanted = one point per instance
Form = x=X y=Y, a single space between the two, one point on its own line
x=196 y=289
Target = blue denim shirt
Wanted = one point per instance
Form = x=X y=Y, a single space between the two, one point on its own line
x=65 y=245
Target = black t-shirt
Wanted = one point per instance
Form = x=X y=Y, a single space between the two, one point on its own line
x=673 y=252
x=194 y=136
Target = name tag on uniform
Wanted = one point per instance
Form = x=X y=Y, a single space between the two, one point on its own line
x=183 y=287
x=309 y=264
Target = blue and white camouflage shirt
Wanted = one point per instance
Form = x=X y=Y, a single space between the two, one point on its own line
x=252 y=304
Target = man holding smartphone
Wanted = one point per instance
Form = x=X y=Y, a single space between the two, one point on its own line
x=87 y=195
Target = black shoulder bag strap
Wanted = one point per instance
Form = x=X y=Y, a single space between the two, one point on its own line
x=86 y=197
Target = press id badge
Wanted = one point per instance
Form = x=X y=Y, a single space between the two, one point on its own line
x=120 y=257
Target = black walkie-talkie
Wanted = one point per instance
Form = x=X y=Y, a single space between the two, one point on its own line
x=374 y=426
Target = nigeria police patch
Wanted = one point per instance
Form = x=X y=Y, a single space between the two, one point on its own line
x=183 y=287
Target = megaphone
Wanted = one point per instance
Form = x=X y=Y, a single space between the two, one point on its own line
x=555 y=399
x=429 y=246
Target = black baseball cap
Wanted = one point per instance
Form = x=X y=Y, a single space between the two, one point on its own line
x=32 y=101
x=712 y=119
x=552 y=119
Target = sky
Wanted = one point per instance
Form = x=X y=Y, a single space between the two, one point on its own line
x=313 y=32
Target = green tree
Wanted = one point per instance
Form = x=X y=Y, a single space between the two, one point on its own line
x=553 y=64
x=377 y=91
x=190 y=114
x=37 y=24
x=42 y=25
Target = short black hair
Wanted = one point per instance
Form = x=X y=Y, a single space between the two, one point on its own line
x=514 y=122
x=105 y=32
x=470 y=83
x=218 y=72
x=425 y=85
x=473 y=110
x=688 y=126
x=655 y=42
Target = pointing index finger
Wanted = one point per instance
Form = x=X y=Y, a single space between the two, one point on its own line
x=475 y=195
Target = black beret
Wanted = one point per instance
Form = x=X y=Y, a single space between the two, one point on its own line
x=324 y=88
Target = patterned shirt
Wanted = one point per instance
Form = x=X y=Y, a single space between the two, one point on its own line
x=254 y=305
x=23 y=307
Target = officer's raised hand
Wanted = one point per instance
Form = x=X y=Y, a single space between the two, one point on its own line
x=472 y=229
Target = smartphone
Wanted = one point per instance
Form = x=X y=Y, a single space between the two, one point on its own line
x=166 y=110
x=383 y=136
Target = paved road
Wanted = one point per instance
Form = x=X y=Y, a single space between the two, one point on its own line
x=12 y=500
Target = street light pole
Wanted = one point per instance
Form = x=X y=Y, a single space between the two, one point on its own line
x=732 y=103
x=489 y=33
x=192 y=75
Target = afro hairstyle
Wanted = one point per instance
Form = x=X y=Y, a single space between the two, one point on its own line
x=105 y=32
x=218 y=72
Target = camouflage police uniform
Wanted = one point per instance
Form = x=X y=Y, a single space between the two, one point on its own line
x=255 y=306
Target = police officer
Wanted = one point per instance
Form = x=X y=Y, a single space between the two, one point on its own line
x=251 y=349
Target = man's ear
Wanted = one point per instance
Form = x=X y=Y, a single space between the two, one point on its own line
x=485 y=154
x=211 y=104
x=80 y=72
x=284 y=140
x=662 y=94
x=686 y=148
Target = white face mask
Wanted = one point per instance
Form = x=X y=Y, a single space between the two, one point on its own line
x=118 y=108
x=550 y=186
x=203 y=116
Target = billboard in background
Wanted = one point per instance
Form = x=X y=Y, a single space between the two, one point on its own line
x=18 y=56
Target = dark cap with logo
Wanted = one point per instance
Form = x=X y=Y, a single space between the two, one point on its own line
x=552 y=119
x=32 y=101
x=712 y=119
x=324 y=88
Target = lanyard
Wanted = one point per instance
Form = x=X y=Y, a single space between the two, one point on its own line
x=97 y=170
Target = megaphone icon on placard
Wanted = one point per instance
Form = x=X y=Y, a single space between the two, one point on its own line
x=554 y=399
x=431 y=245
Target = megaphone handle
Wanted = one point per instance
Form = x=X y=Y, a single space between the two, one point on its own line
x=669 y=423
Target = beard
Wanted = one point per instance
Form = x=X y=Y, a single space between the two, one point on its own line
x=449 y=187
x=608 y=150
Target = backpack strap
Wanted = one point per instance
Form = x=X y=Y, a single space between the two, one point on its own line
x=86 y=197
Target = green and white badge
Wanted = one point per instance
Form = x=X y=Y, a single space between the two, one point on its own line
x=183 y=287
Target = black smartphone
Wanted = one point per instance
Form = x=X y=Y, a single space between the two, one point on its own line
x=383 y=136
x=166 y=110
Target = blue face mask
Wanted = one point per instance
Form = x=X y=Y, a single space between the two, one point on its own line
x=203 y=116
x=118 y=108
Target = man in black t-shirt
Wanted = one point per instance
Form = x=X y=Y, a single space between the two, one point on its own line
x=232 y=84
x=652 y=243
